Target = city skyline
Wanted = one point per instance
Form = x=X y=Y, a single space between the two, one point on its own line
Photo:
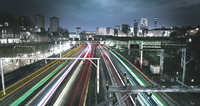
x=89 y=14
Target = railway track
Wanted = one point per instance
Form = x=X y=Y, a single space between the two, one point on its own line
x=116 y=79
x=19 y=85
x=163 y=96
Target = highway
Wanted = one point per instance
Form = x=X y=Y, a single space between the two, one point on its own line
x=67 y=82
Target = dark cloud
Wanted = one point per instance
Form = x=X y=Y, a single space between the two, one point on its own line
x=90 y=14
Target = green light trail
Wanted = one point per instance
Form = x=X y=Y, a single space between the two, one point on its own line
x=30 y=91
x=139 y=79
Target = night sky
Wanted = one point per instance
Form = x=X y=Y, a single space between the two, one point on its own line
x=90 y=14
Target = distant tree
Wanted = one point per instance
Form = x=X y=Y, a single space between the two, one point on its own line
x=7 y=17
x=173 y=34
x=42 y=29
x=60 y=30
x=65 y=33
x=198 y=33
x=189 y=27
x=12 y=23
x=163 y=33
x=56 y=34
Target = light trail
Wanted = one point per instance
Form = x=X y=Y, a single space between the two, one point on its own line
x=78 y=85
x=85 y=81
x=29 y=92
x=119 y=76
x=88 y=83
x=51 y=81
x=84 y=84
x=108 y=68
x=134 y=67
x=51 y=91
x=154 y=96
x=115 y=69
x=14 y=87
x=64 y=91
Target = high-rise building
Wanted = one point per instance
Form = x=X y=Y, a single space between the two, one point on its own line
x=132 y=29
x=78 y=30
x=54 y=24
x=109 y=31
x=24 y=22
x=144 y=23
x=101 y=31
x=105 y=31
x=39 y=21
x=135 y=27
x=117 y=27
x=125 y=28
x=155 y=22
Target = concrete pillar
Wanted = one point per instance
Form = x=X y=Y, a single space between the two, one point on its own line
x=117 y=44
x=129 y=47
x=183 y=61
x=110 y=96
x=2 y=77
x=60 y=49
x=141 y=54
x=98 y=76
x=161 y=63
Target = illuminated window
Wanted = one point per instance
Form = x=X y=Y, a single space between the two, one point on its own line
x=2 y=31
x=3 y=36
x=6 y=23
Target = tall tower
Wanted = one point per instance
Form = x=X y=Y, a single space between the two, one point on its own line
x=125 y=28
x=117 y=27
x=78 y=30
x=39 y=21
x=54 y=24
x=144 y=23
x=155 y=22
x=24 y=22
x=135 y=27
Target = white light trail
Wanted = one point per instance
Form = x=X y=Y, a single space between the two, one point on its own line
x=51 y=91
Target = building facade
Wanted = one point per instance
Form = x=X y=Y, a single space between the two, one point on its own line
x=161 y=32
x=143 y=23
x=101 y=31
x=105 y=31
x=117 y=27
x=39 y=21
x=87 y=34
x=54 y=24
x=8 y=34
x=78 y=30
x=24 y=22
x=125 y=28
